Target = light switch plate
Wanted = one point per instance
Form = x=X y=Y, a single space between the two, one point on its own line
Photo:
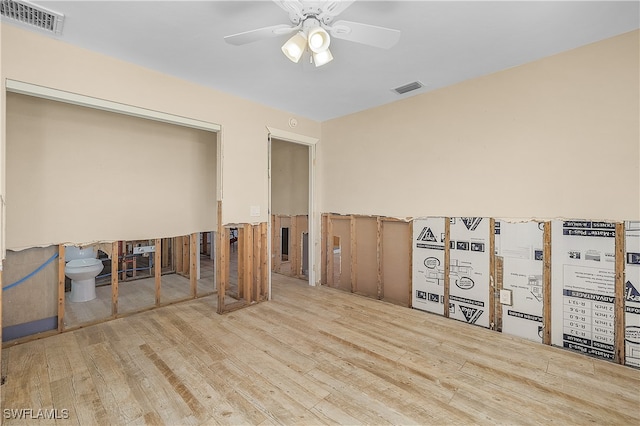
x=255 y=211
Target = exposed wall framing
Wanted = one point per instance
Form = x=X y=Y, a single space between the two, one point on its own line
x=253 y=272
x=204 y=247
x=181 y=255
x=396 y=242
x=379 y=260
x=619 y=322
x=222 y=259
x=447 y=263
x=2 y=378
x=61 y=282
x=115 y=310
x=493 y=289
x=340 y=252
x=371 y=256
x=368 y=255
x=193 y=264
x=498 y=274
x=297 y=226
x=324 y=235
x=158 y=271
x=115 y=255
x=546 y=284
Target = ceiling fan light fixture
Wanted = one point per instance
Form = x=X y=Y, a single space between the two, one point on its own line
x=318 y=39
x=294 y=47
x=322 y=58
x=313 y=26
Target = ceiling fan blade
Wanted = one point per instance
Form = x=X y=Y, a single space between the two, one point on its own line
x=371 y=35
x=259 y=34
x=331 y=9
x=292 y=7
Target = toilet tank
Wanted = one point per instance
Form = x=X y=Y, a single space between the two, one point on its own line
x=74 y=253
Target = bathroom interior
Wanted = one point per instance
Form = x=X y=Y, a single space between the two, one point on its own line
x=88 y=290
x=107 y=191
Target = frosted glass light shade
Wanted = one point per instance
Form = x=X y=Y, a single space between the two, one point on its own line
x=294 y=47
x=322 y=58
x=319 y=40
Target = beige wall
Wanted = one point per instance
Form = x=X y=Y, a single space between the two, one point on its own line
x=36 y=59
x=289 y=178
x=558 y=137
x=77 y=175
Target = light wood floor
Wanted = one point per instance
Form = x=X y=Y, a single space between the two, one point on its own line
x=310 y=356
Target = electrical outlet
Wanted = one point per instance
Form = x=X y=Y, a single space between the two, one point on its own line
x=505 y=297
x=144 y=249
x=254 y=211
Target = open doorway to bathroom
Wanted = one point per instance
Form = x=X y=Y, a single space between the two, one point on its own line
x=126 y=186
x=149 y=273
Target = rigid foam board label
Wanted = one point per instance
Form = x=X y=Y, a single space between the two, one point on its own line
x=632 y=294
x=469 y=270
x=520 y=245
x=583 y=286
x=428 y=264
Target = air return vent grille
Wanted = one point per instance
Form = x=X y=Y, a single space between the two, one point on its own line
x=33 y=15
x=408 y=87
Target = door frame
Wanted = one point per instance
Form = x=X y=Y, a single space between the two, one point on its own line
x=314 y=217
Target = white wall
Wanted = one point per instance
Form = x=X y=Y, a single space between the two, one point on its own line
x=289 y=178
x=558 y=137
x=244 y=124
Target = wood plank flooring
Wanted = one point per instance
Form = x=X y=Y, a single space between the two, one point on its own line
x=309 y=356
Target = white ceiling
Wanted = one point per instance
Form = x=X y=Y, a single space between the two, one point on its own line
x=442 y=43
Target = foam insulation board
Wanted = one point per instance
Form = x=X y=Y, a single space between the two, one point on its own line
x=520 y=245
x=632 y=293
x=428 y=272
x=583 y=286
x=469 y=270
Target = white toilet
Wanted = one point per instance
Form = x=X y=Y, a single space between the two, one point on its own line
x=82 y=267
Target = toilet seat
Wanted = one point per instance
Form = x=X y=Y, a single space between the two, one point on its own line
x=83 y=263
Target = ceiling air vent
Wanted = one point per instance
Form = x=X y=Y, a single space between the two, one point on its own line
x=407 y=87
x=33 y=15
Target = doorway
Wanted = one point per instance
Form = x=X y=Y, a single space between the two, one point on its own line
x=109 y=185
x=291 y=205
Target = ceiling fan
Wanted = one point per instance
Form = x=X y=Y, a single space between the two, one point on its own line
x=313 y=25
